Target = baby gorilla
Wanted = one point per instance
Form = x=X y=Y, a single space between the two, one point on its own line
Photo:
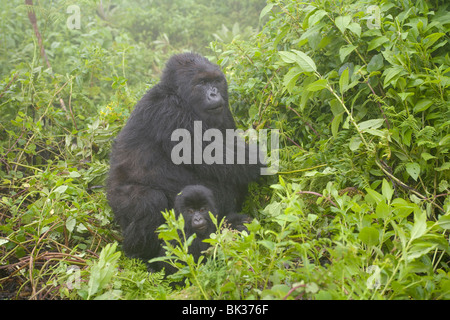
x=195 y=202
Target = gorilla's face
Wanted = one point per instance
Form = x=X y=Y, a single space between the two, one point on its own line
x=195 y=202
x=208 y=97
x=201 y=84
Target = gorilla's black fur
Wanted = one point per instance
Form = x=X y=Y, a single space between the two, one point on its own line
x=143 y=180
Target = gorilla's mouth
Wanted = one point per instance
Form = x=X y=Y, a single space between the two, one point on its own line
x=215 y=108
x=202 y=229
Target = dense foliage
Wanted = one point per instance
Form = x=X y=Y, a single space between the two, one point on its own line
x=360 y=208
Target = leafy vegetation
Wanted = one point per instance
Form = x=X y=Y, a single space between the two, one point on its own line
x=358 y=89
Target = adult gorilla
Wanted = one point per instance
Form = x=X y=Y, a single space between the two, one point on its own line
x=143 y=179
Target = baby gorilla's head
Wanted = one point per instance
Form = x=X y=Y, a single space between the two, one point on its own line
x=195 y=202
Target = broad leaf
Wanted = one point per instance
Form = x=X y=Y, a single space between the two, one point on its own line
x=317 y=85
x=305 y=62
x=369 y=235
x=413 y=170
x=342 y=22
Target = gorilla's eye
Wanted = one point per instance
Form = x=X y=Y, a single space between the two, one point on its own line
x=191 y=211
x=202 y=209
x=202 y=82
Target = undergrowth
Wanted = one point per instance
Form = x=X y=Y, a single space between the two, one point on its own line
x=359 y=209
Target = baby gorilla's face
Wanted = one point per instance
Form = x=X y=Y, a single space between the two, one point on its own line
x=198 y=219
x=194 y=203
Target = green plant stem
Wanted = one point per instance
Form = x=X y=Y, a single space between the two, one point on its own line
x=350 y=116
x=301 y=170
x=319 y=195
x=421 y=196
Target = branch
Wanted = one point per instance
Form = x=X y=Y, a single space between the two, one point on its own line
x=319 y=195
x=405 y=186
x=8 y=85
x=306 y=122
x=33 y=20
x=379 y=106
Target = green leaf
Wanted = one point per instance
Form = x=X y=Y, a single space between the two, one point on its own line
x=323 y=295
x=420 y=224
x=444 y=167
x=369 y=236
x=371 y=124
x=290 y=78
x=317 y=85
x=422 y=105
x=283 y=31
x=378 y=133
x=445 y=140
x=305 y=62
x=355 y=28
x=315 y=17
x=383 y=210
x=403 y=208
x=335 y=124
x=229 y=286
x=60 y=189
x=375 y=43
x=104 y=269
x=404 y=95
x=390 y=73
x=426 y=156
x=74 y=174
x=400 y=233
x=387 y=190
x=420 y=249
x=312 y=217
x=343 y=81
x=444 y=222
x=268 y=244
x=377 y=197
x=443 y=185
x=344 y=51
x=163 y=258
x=355 y=142
x=342 y=22
x=311 y=287
x=336 y=107
x=376 y=63
x=70 y=224
x=431 y=39
x=266 y=10
x=413 y=170
x=253 y=110
x=286 y=56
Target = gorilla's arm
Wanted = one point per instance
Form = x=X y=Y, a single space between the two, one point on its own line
x=237 y=220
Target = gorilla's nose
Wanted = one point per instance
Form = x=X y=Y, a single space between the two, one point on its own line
x=213 y=93
x=215 y=101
